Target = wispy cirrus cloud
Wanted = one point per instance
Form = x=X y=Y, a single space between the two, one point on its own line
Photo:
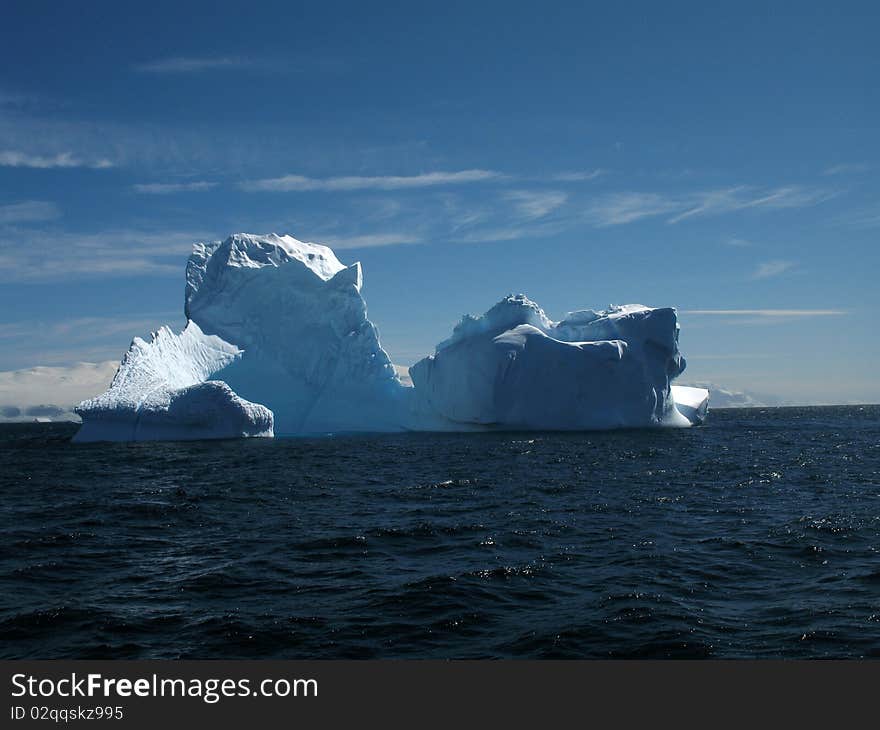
x=540 y=211
x=616 y=209
x=76 y=339
x=582 y=176
x=506 y=215
x=206 y=64
x=301 y=183
x=14 y=158
x=743 y=197
x=84 y=328
x=370 y=240
x=194 y=64
x=621 y=208
x=50 y=255
x=348 y=183
x=847 y=168
x=161 y=152
x=862 y=218
x=493 y=234
x=769 y=269
x=532 y=204
x=28 y=211
x=169 y=188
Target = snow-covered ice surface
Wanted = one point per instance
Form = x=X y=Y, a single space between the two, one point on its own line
x=282 y=323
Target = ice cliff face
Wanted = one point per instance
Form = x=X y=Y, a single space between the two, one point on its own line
x=299 y=317
x=514 y=368
x=283 y=323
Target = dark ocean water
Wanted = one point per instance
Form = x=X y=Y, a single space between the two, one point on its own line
x=756 y=535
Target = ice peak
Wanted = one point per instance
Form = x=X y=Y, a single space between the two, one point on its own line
x=218 y=270
x=248 y=250
x=513 y=310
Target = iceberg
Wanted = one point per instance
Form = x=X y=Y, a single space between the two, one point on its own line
x=277 y=341
x=513 y=368
x=162 y=392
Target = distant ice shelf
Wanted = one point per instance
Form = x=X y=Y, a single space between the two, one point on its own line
x=278 y=341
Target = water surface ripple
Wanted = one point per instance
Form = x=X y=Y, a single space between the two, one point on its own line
x=756 y=535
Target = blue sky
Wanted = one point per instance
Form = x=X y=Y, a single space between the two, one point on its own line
x=723 y=161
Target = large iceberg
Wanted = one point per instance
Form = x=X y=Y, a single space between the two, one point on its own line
x=515 y=369
x=278 y=341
